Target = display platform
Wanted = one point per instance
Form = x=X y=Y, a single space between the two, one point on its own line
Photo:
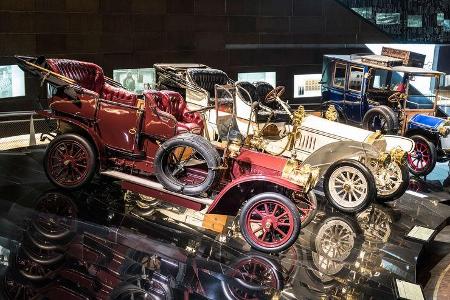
x=102 y=242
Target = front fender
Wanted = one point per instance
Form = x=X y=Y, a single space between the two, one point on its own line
x=394 y=141
x=330 y=153
x=230 y=199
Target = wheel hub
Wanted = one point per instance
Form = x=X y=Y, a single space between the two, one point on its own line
x=269 y=222
x=347 y=187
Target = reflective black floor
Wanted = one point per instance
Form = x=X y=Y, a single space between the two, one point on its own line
x=104 y=243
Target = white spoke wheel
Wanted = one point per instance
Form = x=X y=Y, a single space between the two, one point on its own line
x=335 y=240
x=349 y=186
x=392 y=181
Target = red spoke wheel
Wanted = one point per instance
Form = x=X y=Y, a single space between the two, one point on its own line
x=423 y=159
x=307 y=205
x=55 y=217
x=17 y=288
x=252 y=278
x=70 y=161
x=270 y=222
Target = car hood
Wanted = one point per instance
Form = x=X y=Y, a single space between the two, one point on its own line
x=346 y=132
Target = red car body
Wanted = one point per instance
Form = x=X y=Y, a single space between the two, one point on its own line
x=127 y=130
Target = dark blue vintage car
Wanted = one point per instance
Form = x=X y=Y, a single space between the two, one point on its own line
x=386 y=92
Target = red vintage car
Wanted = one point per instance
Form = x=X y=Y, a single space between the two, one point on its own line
x=152 y=143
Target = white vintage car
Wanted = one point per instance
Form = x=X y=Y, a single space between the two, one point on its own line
x=268 y=124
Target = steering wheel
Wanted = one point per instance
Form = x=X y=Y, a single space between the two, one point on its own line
x=397 y=97
x=274 y=94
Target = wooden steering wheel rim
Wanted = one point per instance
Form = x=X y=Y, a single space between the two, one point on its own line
x=275 y=93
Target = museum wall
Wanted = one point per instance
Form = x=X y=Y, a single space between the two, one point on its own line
x=234 y=35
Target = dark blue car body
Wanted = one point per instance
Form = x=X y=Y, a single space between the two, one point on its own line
x=359 y=89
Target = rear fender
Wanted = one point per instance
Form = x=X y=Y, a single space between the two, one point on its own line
x=230 y=199
x=67 y=125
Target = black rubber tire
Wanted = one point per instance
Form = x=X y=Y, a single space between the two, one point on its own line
x=92 y=160
x=394 y=117
x=433 y=152
x=401 y=189
x=285 y=201
x=203 y=147
x=368 y=177
x=380 y=111
x=125 y=290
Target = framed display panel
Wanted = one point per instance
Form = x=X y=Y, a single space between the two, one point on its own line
x=12 y=81
x=307 y=85
x=387 y=18
x=269 y=77
x=365 y=12
x=136 y=80
x=415 y=21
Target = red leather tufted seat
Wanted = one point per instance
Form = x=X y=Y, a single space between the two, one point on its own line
x=116 y=94
x=88 y=75
x=174 y=104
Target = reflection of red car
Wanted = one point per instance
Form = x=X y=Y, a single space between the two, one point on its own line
x=104 y=128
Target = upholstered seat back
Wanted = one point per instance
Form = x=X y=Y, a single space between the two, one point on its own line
x=87 y=75
x=247 y=91
x=117 y=94
x=208 y=78
x=262 y=89
x=172 y=103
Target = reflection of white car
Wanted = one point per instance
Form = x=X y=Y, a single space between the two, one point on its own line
x=256 y=111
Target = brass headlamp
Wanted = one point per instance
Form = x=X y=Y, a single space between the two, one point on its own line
x=305 y=176
x=398 y=155
x=444 y=129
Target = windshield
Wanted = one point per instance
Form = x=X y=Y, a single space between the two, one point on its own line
x=225 y=101
x=421 y=92
x=420 y=89
x=386 y=80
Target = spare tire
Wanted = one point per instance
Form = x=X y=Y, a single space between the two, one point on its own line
x=187 y=164
x=379 y=118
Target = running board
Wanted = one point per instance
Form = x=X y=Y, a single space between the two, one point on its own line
x=155 y=189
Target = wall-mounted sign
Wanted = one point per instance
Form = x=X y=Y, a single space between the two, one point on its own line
x=307 y=85
x=12 y=81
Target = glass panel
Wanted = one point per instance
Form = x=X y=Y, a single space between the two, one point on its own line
x=307 y=85
x=136 y=80
x=420 y=99
x=340 y=73
x=415 y=21
x=440 y=19
x=447 y=25
x=365 y=12
x=356 y=79
x=12 y=81
x=386 y=80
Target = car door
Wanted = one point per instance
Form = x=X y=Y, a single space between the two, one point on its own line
x=334 y=90
x=353 y=93
x=118 y=125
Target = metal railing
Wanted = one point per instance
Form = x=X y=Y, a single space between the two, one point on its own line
x=21 y=130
